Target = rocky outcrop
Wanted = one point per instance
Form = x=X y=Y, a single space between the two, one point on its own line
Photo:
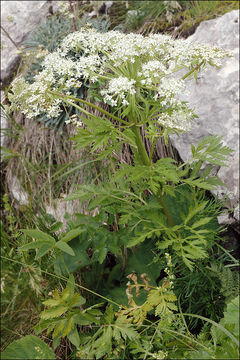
x=215 y=97
x=18 y=19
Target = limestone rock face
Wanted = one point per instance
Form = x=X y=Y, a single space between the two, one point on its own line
x=4 y=126
x=215 y=97
x=18 y=19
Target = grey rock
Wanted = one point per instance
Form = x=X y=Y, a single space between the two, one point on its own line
x=18 y=19
x=4 y=125
x=215 y=97
x=17 y=192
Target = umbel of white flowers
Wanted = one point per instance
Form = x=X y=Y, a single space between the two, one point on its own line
x=127 y=68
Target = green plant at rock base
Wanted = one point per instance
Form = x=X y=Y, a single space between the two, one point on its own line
x=179 y=18
x=134 y=331
x=160 y=204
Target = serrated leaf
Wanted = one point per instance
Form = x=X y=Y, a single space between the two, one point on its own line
x=127 y=330
x=198 y=208
x=76 y=300
x=64 y=247
x=82 y=320
x=59 y=328
x=137 y=239
x=72 y=234
x=71 y=285
x=52 y=302
x=39 y=235
x=44 y=249
x=41 y=326
x=109 y=315
x=53 y=313
x=28 y=347
x=201 y=222
x=68 y=326
x=65 y=294
x=34 y=245
x=74 y=338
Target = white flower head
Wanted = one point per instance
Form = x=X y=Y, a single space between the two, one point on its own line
x=119 y=88
x=179 y=120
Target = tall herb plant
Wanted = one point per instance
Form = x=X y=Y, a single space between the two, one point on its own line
x=140 y=79
x=158 y=202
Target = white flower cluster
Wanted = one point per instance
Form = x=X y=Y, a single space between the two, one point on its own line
x=119 y=88
x=168 y=89
x=33 y=98
x=168 y=269
x=152 y=71
x=179 y=119
x=185 y=53
x=74 y=119
x=127 y=63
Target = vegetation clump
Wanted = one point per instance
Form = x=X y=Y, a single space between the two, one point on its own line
x=136 y=275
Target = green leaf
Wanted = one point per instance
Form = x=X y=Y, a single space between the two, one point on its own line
x=52 y=302
x=65 y=247
x=71 y=285
x=74 y=338
x=109 y=315
x=126 y=330
x=82 y=320
x=72 y=234
x=69 y=325
x=41 y=326
x=39 y=235
x=73 y=262
x=53 y=313
x=76 y=300
x=102 y=255
x=201 y=222
x=59 y=328
x=29 y=347
x=44 y=249
x=198 y=208
x=34 y=245
x=55 y=227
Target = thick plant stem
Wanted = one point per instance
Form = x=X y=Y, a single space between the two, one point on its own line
x=161 y=200
x=141 y=148
x=147 y=161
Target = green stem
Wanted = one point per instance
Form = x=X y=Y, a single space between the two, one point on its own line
x=147 y=161
x=64 y=97
x=141 y=148
x=191 y=71
x=165 y=208
x=152 y=148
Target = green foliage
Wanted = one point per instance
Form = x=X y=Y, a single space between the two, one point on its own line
x=139 y=212
x=195 y=219
x=229 y=280
x=199 y=292
x=62 y=316
x=28 y=347
x=44 y=243
x=178 y=17
x=222 y=345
